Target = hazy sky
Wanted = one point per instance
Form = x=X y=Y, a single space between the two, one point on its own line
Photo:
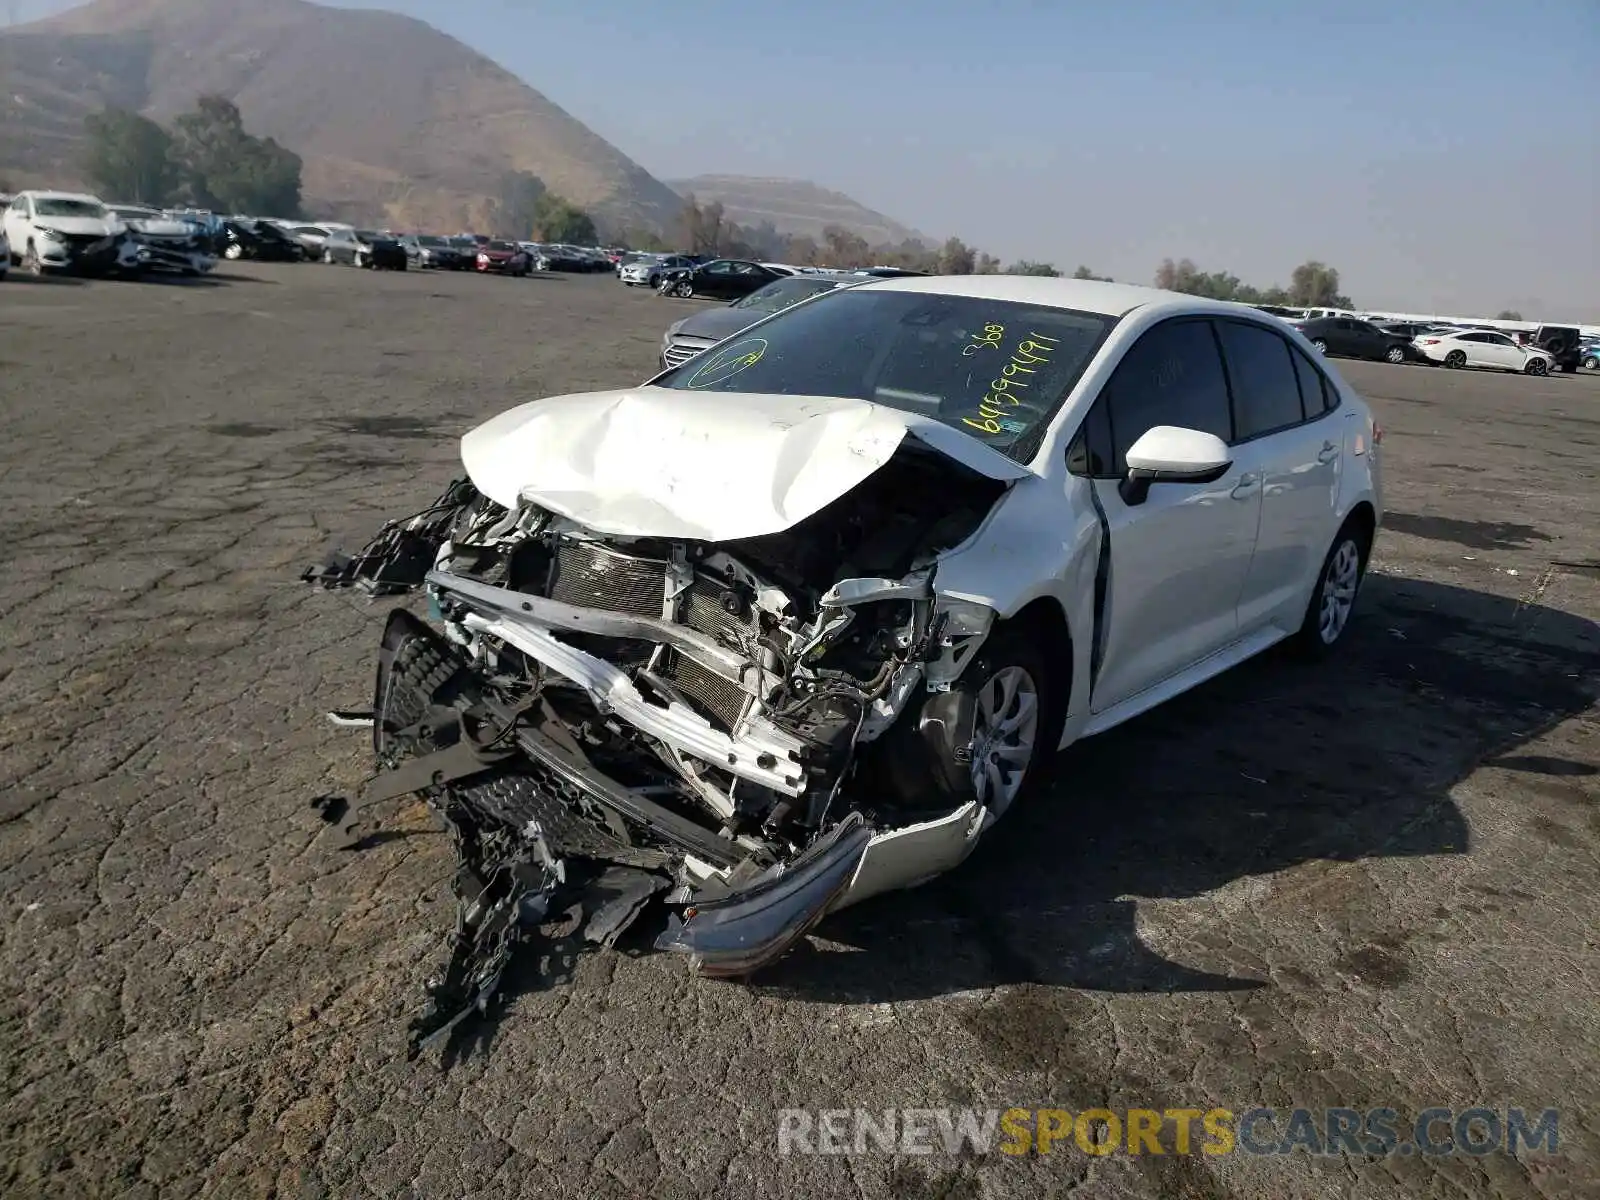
x=1441 y=154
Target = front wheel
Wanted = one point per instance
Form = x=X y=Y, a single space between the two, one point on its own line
x=234 y=251
x=1456 y=359
x=1395 y=354
x=1334 y=597
x=1592 y=363
x=1537 y=366
x=358 y=261
x=1320 y=346
x=684 y=290
x=31 y=262
x=327 y=258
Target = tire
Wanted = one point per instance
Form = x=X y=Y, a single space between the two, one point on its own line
x=1320 y=346
x=357 y=261
x=1334 y=598
x=922 y=771
x=1395 y=354
x=327 y=258
x=31 y=262
x=1591 y=363
x=234 y=252
x=1537 y=367
x=1456 y=359
x=684 y=290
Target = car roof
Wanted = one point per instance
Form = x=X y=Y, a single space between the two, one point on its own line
x=1084 y=295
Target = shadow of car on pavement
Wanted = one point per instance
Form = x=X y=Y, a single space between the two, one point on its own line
x=1274 y=764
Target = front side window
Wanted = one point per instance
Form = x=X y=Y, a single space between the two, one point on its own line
x=1266 y=395
x=996 y=370
x=1172 y=376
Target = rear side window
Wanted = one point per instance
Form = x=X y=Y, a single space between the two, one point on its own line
x=1266 y=394
x=1316 y=394
x=1172 y=376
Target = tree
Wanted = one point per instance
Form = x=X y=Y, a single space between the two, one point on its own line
x=845 y=249
x=1025 y=267
x=1508 y=314
x=226 y=169
x=129 y=157
x=1085 y=273
x=516 y=209
x=1316 y=285
x=555 y=220
x=956 y=258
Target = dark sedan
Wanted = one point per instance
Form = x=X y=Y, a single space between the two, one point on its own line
x=424 y=250
x=721 y=279
x=259 y=240
x=704 y=329
x=1346 y=337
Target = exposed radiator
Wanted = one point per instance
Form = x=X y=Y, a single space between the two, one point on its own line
x=596 y=576
x=723 y=700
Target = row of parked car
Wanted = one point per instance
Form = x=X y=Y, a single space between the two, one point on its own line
x=1537 y=352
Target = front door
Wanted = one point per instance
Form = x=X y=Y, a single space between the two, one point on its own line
x=1179 y=559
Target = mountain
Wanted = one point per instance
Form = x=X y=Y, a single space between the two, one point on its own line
x=394 y=120
x=794 y=206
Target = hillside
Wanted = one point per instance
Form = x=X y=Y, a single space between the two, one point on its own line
x=794 y=206
x=394 y=119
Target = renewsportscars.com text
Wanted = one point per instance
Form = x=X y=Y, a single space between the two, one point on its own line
x=1373 y=1132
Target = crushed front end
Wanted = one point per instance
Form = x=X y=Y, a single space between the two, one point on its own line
x=754 y=731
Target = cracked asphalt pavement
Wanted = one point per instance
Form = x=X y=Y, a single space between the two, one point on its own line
x=1374 y=883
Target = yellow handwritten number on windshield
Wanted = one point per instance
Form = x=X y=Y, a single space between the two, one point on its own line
x=1030 y=352
x=989 y=339
x=728 y=362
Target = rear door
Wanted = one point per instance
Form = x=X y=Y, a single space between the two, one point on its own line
x=1179 y=559
x=1283 y=419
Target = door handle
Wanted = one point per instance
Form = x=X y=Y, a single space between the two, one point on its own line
x=1328 y=452
x=1246 y=486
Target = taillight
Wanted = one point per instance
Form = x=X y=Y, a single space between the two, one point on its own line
x=1377 y=432
x=1429 y=341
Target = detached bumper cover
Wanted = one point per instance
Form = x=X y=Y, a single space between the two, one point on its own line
x=747 y=929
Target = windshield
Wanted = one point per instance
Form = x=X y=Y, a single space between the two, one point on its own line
x=776 y=297
x=432 y=242
x=136 y=214
x=367 y=235
x=994 y=369
x=56 y=207
x=501 y=246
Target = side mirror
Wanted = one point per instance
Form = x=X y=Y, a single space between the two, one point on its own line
x=1171 y=454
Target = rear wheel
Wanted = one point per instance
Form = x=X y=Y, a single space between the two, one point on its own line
x=1320 y=346
x=1591 y=363
x=327 y=257
x=1456 y=359
x=1334 y=597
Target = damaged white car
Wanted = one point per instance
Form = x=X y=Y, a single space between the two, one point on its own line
x=793 y=623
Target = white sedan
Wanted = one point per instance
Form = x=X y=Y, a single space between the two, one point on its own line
x=1484 y=348
x=795 y=622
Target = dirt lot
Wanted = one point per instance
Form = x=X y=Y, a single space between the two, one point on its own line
x=1377 y=885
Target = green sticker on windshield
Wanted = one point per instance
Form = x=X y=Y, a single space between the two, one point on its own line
x=728 y=362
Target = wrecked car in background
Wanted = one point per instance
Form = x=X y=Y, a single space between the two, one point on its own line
x=794 y=622
x=167 y=243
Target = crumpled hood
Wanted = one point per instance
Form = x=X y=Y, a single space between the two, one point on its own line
x=653 y=462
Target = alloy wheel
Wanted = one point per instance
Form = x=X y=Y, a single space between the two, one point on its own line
x=1320 y=346
x=31 y=263
x=1004 y=735
x=1396 y=355
x=1339 y=585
